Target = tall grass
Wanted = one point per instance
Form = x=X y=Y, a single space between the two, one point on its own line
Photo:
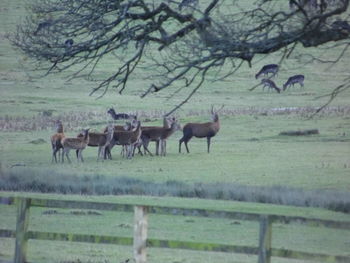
x=47 y=181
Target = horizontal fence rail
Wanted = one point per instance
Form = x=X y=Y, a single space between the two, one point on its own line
x=140 y=241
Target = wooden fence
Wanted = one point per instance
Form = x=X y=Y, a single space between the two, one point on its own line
x=140 y=242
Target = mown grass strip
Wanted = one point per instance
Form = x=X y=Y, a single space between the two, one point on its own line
x=175 y=210
x=285 y=253
x=174 y=244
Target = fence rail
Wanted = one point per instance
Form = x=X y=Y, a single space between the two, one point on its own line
x=140 y=242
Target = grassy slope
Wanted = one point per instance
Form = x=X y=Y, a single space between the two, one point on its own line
x=247 y=150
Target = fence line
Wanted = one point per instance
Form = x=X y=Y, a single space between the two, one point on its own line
x=140 y=241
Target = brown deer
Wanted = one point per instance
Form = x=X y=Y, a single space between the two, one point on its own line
x=201 y=130
x=128 y=126
x=265 y=70
x=146 y=135
x=100 y=140
x=128 y=139
x=79 y=144
x=270 y=84
x=56 y=141
x=159 y=135
x=293 y=80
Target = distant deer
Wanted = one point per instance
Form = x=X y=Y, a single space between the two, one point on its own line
x=79 y=144
x=128 y=139
x=159 y=135
x=120 y=116
x=188 y=3
x=100 y=140
x=265 y=70
x=201 y=130
x=270 y=84
x=56 y=141
x=293 y=80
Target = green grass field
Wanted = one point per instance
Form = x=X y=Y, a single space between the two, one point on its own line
x=248 y=150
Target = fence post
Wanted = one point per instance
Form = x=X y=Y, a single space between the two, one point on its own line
x=21 y=229
x=140 y=233
x=265 y=239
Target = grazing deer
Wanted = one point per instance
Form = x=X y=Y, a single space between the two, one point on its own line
x=265 y=70
x=293 y=80
x=159 y=135
x=270 y=84
x=56 y=141
x=128 y=139
x=201 y=130
x=120 y=116
x=100 y=140
x=79 y=144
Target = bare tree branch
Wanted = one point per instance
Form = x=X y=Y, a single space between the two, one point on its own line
x=184 y=44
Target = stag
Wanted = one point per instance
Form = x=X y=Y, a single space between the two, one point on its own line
x=201 y=130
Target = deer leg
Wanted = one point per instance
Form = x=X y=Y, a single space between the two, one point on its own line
x=54 y=151
x=180 y=142
x=133 y=150
x=145 y=143
x=157 y=147
x=129 y=151
x=62 y=157
x=208 y=143
x=60 y=154
x=99 y=153
x=139 y=149
x=81 y=155
x=145 y=148
x=164 y=147
x=67 y=156
x=108 y=153
x=187 y=146
x=78 y=155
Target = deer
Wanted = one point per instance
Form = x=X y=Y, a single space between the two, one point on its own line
x=159 y=135
x=120 y=116
x=188 y=3
x=100 y=140
x=201 y=130
x=126 y=127
x=270 y=84
x=79 y=144
x=293 y=80
x=128 y=138
x=56 y=141
x=145 y=136
x=265 y=70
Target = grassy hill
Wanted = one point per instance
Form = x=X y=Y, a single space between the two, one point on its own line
x=248 y=150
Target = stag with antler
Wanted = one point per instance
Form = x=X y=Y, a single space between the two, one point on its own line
x=201 y=130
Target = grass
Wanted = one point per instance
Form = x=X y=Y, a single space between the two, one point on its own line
x=248 y=151
x=197 y=229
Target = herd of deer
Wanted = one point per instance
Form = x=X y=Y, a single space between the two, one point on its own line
x=130 y=136
x=270 y=84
